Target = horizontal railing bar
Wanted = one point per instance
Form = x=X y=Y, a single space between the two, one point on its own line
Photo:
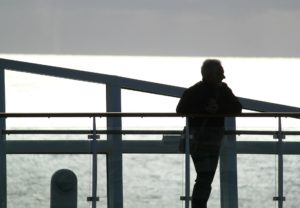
x=170 y=132
x=267 y=147
x=84 y=147
x=54 y=147
x=141 y=114
x=135 y=147
x=257 y=132
x=176 y=132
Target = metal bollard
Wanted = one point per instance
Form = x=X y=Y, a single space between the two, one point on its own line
x=63 y=189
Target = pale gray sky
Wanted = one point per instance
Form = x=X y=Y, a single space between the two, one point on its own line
x=267 y=28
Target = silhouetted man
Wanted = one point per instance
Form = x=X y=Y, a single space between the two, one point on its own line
x=209 y=96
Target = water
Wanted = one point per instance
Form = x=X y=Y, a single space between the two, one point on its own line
x=149 y=180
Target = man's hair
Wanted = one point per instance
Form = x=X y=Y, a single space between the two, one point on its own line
x=209 y=66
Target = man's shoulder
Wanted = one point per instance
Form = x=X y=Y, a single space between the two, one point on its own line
x=194 y=89
x=226 y=90
x=196 y=86
x=225 y=86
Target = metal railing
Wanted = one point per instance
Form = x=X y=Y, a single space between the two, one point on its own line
x=114 y=85
x=97 y=147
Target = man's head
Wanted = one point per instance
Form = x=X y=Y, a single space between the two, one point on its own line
x=212 y=72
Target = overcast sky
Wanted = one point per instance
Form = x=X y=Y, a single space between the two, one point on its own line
x=267 y=28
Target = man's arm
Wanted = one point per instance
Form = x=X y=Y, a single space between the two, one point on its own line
x=183 y=104
x=231 y=103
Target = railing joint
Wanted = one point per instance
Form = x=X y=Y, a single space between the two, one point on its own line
x=279 y=135
x=277 y=198
x=90 y=198
x=183 y=198
x=91 y=136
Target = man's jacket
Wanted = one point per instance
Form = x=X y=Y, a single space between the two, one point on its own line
x=195 y=100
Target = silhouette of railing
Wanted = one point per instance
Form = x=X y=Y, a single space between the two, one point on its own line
x=140 y=146
x=114 y=85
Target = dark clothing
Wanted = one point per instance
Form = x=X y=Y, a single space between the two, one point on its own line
x=207 y=132
x=205 y=162
x=196 y=98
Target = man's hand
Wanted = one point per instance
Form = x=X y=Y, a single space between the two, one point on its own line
x=212 y=106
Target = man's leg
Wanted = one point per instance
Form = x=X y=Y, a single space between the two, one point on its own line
x=205 y=166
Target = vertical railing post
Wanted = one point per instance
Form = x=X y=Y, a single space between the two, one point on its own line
x=3 y=183
x=228 y=168
x=187 y=164
x=94 y=138
x=280 y=136
x=95 y=165
x=114 y=157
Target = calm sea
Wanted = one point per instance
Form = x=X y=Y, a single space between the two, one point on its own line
x=149 y=180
